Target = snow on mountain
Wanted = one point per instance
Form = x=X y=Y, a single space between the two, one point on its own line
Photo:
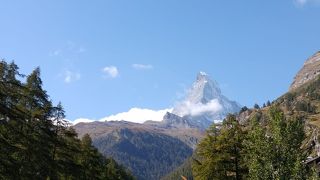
x=205 y=102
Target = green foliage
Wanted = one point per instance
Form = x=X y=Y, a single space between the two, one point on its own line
x=35 y=140
x=220 y=154
x=305 y=106
x=184 y=170
x=270 y=147
x=274 y=151
x=276 y=144
x=314 y=173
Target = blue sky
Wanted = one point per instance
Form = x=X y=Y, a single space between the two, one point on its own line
x=105 y=57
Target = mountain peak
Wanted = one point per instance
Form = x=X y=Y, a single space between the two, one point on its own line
x=204 y=89
x=205 y=102
x=309 y=71
x=202 y=75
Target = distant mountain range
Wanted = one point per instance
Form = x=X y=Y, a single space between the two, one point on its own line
x=152 y=149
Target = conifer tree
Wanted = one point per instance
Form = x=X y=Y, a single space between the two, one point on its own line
x=36 y=141
x=220 y=154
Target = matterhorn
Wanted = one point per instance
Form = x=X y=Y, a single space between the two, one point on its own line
x=203 y=105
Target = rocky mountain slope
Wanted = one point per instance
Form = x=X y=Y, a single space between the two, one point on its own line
x=205 y=103
x=310 y=70
x=302 y=101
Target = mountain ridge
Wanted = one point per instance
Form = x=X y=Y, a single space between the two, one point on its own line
x=309 y=71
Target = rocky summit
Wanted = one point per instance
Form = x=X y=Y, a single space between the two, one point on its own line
x=205 y=103
x=309 y=71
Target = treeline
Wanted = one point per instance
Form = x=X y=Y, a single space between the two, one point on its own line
x=270 y=146
x=35 y=140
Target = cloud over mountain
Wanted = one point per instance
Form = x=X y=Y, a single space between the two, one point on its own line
x=195 y=109
x=137 y=115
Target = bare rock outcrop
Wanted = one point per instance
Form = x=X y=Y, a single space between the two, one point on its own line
x=310 y=70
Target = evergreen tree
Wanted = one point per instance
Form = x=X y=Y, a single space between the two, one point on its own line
x=256 y=106
x=35 y=140
x=220 y=153
x=39 y=129
x=243 y=109
x=10 y=136
x=90 y=160
x=268 y=103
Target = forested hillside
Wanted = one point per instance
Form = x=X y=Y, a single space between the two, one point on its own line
x=148 y=153
x=35 y=140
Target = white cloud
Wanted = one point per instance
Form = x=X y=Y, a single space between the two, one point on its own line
x=81 y=120
x=188 y=108
x=142 y=66
x=137 y=115
x=111 y=71
x=304 y=2
x=71 y=76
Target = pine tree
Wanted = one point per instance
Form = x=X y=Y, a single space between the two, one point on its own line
x=35 y=140
x=268 y=103
x=10 y=136
x=91 y=160
x=256 y=106
x=39 y=129
x=221 y=152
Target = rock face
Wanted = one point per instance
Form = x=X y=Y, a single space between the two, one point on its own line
x=204 y=103
x=310 y=70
